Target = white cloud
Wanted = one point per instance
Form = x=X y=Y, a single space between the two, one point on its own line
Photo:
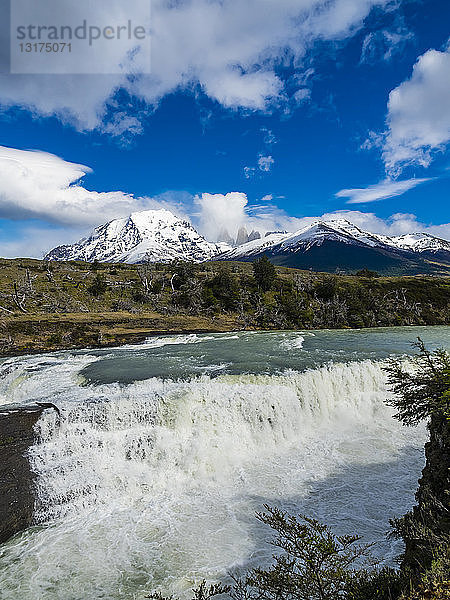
x=301 y=95
x=232 y=211
x=419 y=113
x=35 y=184
x=387 y=188
x=384 y=44
x=36 y=240
x=38 y=185
x=211 y=214
x=229 y=212
x=249 y=172
x=269 y=138
x=265 y=163
x=230 y=50
x=124 y=127
x=219 y=212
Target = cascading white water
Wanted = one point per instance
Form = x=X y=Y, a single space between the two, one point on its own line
x=155 y=484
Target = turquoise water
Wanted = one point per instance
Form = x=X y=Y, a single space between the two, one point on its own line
x=255 y=352
x=166 y=449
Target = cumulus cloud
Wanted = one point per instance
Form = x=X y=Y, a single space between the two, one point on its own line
x=221 y=212
x=230 y=50
x=387 y=188
x=35 y=184
x=217 y=213
x=419 y=113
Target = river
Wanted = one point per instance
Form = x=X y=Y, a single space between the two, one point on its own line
x=167 y=449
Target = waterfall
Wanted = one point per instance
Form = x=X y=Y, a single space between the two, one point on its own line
x=155 y=483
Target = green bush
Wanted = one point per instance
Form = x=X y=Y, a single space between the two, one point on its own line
x=422 y=391
x=98 y=286
x=265 y=273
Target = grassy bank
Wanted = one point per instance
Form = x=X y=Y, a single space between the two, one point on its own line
x=26 y=334
x=48 y=306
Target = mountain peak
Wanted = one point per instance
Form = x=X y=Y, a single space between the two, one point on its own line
x=339 y=244
x=154 y=235
x=158 y=235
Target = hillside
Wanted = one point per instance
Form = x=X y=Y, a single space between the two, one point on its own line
x=44 y=306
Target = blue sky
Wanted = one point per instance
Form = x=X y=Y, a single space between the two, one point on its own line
x=318 y=108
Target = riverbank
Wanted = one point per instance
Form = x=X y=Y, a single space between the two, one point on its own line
x=30 y=334
x=58 y=306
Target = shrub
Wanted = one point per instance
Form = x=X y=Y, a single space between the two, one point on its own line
x=366 y=273
x=315 y=563
x=98 y=286
x=423 y=391
x=264 y=273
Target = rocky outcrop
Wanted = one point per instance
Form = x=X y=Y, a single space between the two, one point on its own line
x=427 y=527
x=16 y=478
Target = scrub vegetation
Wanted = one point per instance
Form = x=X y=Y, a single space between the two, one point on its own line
x=49 y=305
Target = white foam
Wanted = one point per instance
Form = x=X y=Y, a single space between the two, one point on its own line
x=156 y=483
x=293 y=343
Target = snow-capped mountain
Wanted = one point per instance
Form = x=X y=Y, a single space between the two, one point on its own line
x=339 y=244
x=420 y=242
x=316 y=233
x=160 y=236
x=155 y=235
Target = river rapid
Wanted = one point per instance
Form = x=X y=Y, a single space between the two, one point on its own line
x=166 y=450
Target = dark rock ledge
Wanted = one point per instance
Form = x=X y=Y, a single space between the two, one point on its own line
x=16 y=479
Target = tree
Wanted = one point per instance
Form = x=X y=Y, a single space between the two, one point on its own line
x=423 y=390
x=98 y=286
x=326 y=288
x=315 y=563
x=223 y=288
x=366 y=273
x=264 y=273
x=182 y=274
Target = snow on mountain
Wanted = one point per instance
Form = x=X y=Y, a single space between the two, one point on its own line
x=420 y=242
x=160 y=236
x=155 y=235
x=254 y=247
x=315 y=233
x=339 y=230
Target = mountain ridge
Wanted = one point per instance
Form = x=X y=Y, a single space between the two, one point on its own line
x=154 y=235
x=160 y=236
x=339 y=244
